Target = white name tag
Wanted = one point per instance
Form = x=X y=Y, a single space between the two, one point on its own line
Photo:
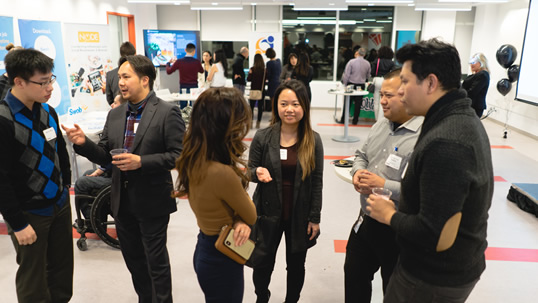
x=283 y=154
x=49 y=133
x=135 y=127
x=394 y=161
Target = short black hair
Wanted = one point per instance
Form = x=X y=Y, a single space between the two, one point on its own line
x=433 y=57
x=127 y=49
x=270 y=53
x=142 y=66
x=190 y=47
x=24 y=63
x=385 y=52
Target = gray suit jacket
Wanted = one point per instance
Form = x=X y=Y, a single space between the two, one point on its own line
x=158 y=141
x=112 y=85
x=265 y=152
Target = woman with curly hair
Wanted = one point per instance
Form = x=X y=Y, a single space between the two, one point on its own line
x=210 y=174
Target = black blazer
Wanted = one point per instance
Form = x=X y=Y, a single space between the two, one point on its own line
x=112 y=87
x=265 y=152
x=158 y=141
x=477 y=86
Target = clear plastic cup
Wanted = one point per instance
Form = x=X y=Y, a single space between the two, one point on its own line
x=118 y=151
x=382 y=192
x=183 y=91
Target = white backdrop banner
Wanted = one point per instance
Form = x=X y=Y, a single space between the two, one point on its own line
x=259 y=42
x=88 y=61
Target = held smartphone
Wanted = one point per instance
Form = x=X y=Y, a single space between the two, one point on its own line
x=244 y=250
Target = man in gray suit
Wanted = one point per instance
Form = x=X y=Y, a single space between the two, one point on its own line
x=151 y=131
x=112 y=88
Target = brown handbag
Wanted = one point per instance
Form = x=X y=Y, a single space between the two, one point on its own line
x=225 y=244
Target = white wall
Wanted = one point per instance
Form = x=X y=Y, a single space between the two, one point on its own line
x=439 y=24
x=227 y=25
x=80 y=11
x=496 y=25
x=177 y=17
x=463 y=35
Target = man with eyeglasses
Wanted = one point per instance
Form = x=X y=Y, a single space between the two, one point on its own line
x=35 y=177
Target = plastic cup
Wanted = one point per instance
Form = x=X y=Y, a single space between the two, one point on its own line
x=183 y=91
x=118 y=151
x=382 y=192
x=350 y=88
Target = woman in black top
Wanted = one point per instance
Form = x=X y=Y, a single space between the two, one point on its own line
x=304 y=72
x=288 y=68
x=256 y=76
x=477 y=84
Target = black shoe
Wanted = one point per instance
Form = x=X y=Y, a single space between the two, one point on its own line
x=264 y=299
x=340 y=121
x=355 y=122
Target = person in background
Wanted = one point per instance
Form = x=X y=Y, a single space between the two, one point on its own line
x=188 y=68
x=4 y=81
x=239 y=79
x=151 y=130
x=477 y=84
x=35 y=177
x=288 y=68
x=356 y=73
x=372 y=55
x=379 y=68
x=380 y=162
x=112 y=88
x=273 y=68
x=441 y=222
x=219 y=69
x=289 y=192
x=304 y=72
x=256 y=76
x=210 y=174
x=207 y=61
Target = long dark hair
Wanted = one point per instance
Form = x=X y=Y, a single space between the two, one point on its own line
x=259 y=64
x=305 y=135
x=302 y=68
x=220 y=56
x=220 y=120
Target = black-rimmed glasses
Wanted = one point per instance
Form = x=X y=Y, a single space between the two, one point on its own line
x=46 y=83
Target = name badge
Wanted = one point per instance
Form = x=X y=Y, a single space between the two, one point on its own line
x=394 y=161
x=283 y=154
x=49 y=133
x=135 y=127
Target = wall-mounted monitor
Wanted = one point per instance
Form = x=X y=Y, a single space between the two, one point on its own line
x=162 y=45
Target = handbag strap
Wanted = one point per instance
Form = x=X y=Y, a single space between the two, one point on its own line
x=377 y=69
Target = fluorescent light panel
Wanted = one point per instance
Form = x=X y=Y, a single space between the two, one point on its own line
x=220 y=7
x=441 y=7
x=160 y=1
x=316 y=22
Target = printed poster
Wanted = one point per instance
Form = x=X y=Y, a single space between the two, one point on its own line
x=88 y=61
x=6 y=37
x=46 y=36
x=259 y=42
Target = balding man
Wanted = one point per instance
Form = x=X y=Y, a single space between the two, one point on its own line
x=356 y=74
x=239 y=78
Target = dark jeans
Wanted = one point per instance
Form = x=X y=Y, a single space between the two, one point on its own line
x=220 y=277
x=240 y=87
x=357 y=100
x=260 y=108
x=294 y=265
x=87 y=185
x=45 y=271
x=143 y=246
x=405 y=288
x=372 y=247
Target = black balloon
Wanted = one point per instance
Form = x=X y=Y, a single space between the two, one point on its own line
x=504 y=86
x=506 y=55
x=513 y=73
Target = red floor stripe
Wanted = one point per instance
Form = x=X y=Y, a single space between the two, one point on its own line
x=327 y=157
x=337 y=124
x=3 y=229
x=492 y=253
x=499 y=179
x=502 y=146
x=247 y=139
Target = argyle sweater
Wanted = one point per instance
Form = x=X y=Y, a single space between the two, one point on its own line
x=33 y=170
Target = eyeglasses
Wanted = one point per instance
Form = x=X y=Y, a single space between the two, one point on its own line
x=46 y=83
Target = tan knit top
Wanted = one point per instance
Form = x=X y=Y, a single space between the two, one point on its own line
x=219 y=199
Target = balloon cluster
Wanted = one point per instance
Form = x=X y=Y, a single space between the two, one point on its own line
x=506 y=55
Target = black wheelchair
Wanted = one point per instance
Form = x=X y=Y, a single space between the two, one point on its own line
x=100 y=219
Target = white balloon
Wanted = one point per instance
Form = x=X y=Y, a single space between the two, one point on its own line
x=357 y=37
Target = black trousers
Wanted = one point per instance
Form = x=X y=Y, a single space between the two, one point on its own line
x=372 y=247
x=357 y=100
x=143 y=246
x=404 y=287
x=261 y=275
x=260 y=108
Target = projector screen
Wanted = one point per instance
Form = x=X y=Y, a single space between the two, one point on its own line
x=527 y=90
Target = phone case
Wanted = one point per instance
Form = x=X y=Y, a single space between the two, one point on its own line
x=244 y=250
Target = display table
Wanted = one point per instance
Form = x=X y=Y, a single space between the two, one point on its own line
x=343 y=172
x=347 y=95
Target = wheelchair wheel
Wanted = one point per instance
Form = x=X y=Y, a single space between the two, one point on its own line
x=101 y=218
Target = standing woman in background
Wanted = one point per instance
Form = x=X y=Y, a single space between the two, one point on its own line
x=206 y=64
x=256 y=76
x=379 y=68
x=272 y=73
x=477 y=84
x=288 y=68
x=219 y=70
x=304 y=72
x=210 y=174
x=286 y=160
